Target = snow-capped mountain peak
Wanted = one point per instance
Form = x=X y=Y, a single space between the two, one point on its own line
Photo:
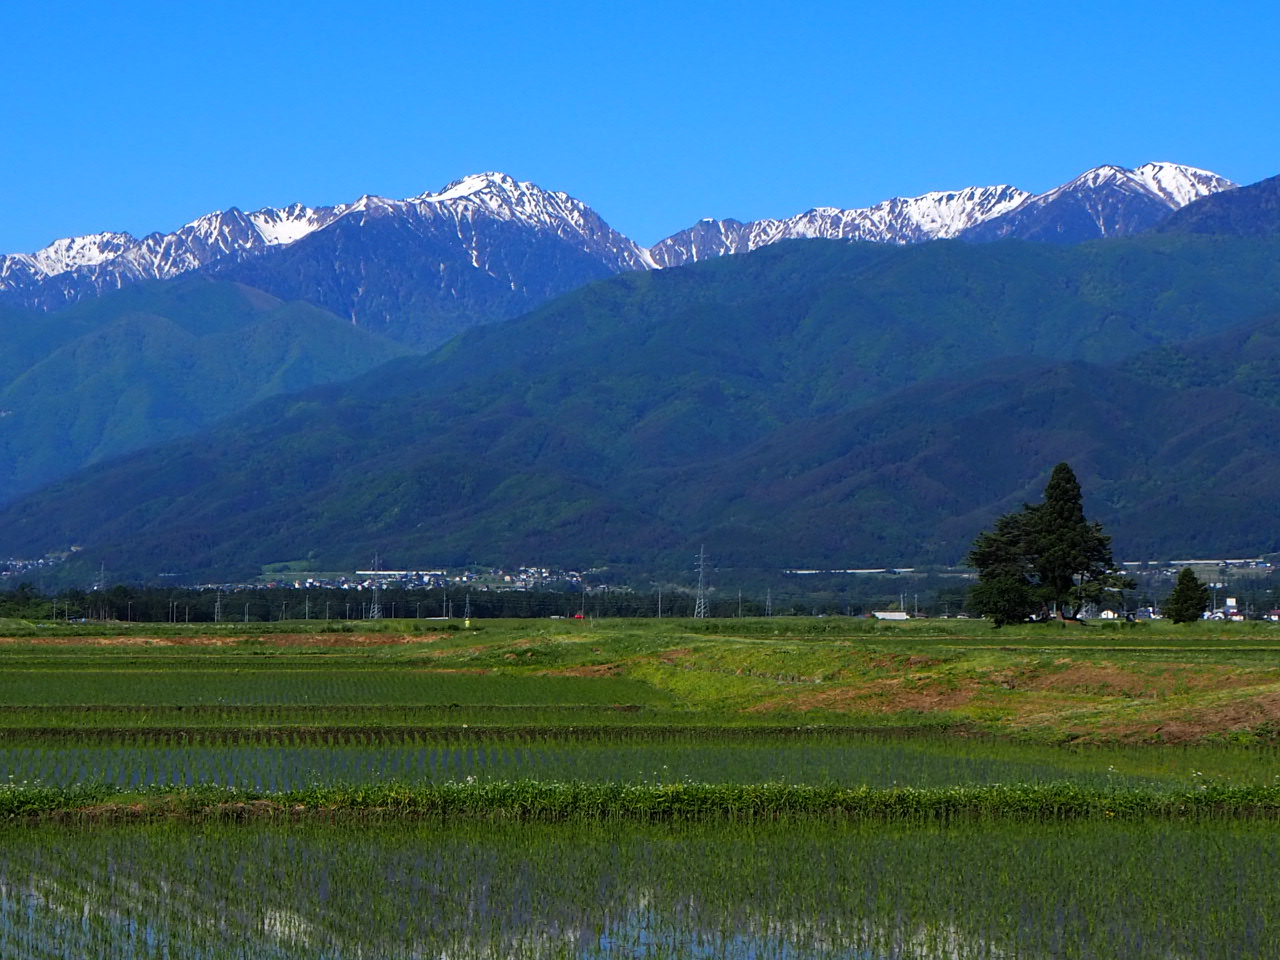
x=937 y=215
x=1107 y=201
x=491 y=181
x=1178 y=184
x=84 y=251
x=1173 y=184
x=291 y=223
x=478 y=219
x=460 y=215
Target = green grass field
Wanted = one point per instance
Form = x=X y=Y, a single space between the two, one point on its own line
x=829 y=701
x=771 y=789
x=1110 y=683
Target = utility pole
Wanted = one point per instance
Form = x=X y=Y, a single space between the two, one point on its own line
x=739 y=603
x=659 y=601
x=700 y=608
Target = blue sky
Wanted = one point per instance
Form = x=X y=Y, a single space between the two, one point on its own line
x=142 y=116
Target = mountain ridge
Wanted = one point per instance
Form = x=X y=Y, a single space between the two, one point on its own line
x=459 y=229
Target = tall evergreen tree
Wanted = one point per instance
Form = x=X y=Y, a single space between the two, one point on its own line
x=1189 y=600
x=1046 y=558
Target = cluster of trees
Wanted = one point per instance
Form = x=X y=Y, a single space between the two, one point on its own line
x=191 y=605
x=1045 y=560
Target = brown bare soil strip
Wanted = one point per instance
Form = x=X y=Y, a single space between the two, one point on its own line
x=271 y=640
x=1104 y=679
x=878 y=696
x=590 y=670
x=1242 y=715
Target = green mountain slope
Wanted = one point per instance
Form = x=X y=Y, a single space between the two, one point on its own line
x=812 y=404
x=1250 y=211
x=153 y=362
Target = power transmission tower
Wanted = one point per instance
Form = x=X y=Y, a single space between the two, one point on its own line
x=217 y=608
x=768 y=602
x=700 y=608
x=375 y=608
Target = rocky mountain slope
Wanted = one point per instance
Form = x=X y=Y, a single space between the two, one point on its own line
x=1107 y=201
x=932 y=216
x=486 y=245
x=489 y=247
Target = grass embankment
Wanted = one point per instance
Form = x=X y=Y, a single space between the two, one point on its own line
x=1109 y=682
x=538 y=801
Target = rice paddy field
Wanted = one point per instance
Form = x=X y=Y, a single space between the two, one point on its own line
x=785 y=788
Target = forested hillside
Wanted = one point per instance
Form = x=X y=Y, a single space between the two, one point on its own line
x=811 y=404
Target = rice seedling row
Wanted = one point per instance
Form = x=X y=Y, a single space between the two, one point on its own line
x=288 y=760
x=327 y=686
x=1097 y=891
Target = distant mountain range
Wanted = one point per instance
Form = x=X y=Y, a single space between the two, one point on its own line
x=1107 y=201
x=820 y=404
x=796 y=404
x=488 y=247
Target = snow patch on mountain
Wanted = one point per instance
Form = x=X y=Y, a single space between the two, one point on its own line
x=69 y=269
x=477 y=213
x=1179 y=185
x=292 y=223
x=931 y=216
x=1107 y=201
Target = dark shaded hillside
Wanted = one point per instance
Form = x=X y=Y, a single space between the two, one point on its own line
x=811 y=404
x=1252 y=211
x=156 y=361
